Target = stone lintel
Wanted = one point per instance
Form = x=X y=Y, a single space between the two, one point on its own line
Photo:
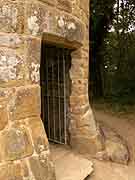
x=41 y=19
x=60 y=41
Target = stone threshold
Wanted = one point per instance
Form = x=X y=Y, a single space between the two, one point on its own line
x=70 y=165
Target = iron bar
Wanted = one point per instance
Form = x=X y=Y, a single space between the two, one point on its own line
x=47 y=86
x=65 y=111
x=59 y=95
x=53 y=97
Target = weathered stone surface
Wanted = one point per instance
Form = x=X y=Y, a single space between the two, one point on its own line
x=52 y=2
x=87 y=145
x=79 y=87
x=44 y=165
x=83 y=121
x=70 y=28
x=11 y=171
x=39 y=19
x=80 y=100
x=84 y=5
x=11 y=16
x=65 y=5
x=38 y=134
x=15 y=144
x=63 y=156
x=3 y=116
x=76 y=11
x=11 y=40
x=5 y=95
x=80 y=110
x=80 y=54
x=33 y=58
x=11 y=68
x=44 y=19
x=15 y=171
x=79 y=72
x=116 y=148
x=25 y=169
x=25 y=103
x=117 y=151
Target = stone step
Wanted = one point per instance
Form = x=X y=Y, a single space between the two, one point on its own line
x=70 y=166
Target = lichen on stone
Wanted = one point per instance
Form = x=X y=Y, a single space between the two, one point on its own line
x=35 y=75
x=71 y=26
x=33 y=25
x=8 y=67
x=61 y=22
x=9 y=14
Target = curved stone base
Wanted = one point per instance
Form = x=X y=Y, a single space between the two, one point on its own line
x=116 y=149
x=87 y=145
x=32 y=168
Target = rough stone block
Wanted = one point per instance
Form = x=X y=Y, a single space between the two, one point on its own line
x=33 y=58
x=3 y=116
x=11 y=40
x=116 y=148
x=65 y=5
x=87 y=120
x=52 y=2
x=41 y=19
x=11 y=171
x=80 y=54
x=76 y=11
x=44 y=165
x=79 y=71
x=25 y=169
x=5 y=95
x=87 y=145
x=15 y=144
x=38 y=134
x=80 y=110
x=79 y=101
x=11 y=16
x=69 y=28
x=84 y=5
x=11 y=68
x=25 y=103
x=79 y=87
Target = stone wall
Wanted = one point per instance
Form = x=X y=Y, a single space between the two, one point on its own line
x=24 y=151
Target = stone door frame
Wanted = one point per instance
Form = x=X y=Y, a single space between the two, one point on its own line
x=52 y=24
x=81 y=116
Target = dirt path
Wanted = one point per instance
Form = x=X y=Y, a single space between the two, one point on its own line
x=111 y=171
x=125 y=126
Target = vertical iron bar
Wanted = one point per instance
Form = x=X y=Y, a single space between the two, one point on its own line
x=49 y=133
x=47 y=84
x=59 y=95
x=53 y=96
x=65 y=121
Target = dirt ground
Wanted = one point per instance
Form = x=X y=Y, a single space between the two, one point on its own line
x=125 y=126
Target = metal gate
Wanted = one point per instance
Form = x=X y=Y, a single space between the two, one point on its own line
x=55 y=103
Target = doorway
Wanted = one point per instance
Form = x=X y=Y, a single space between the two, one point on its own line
x=55 y=92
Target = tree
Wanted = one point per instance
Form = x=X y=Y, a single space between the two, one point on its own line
x=112 y=43
x=101 y=18
x=119 y=52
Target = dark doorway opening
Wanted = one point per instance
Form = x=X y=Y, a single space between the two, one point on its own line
x=55 y=92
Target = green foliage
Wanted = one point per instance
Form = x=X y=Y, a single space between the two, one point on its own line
x=114 y=46
x=101 y=16
x=118 y=71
